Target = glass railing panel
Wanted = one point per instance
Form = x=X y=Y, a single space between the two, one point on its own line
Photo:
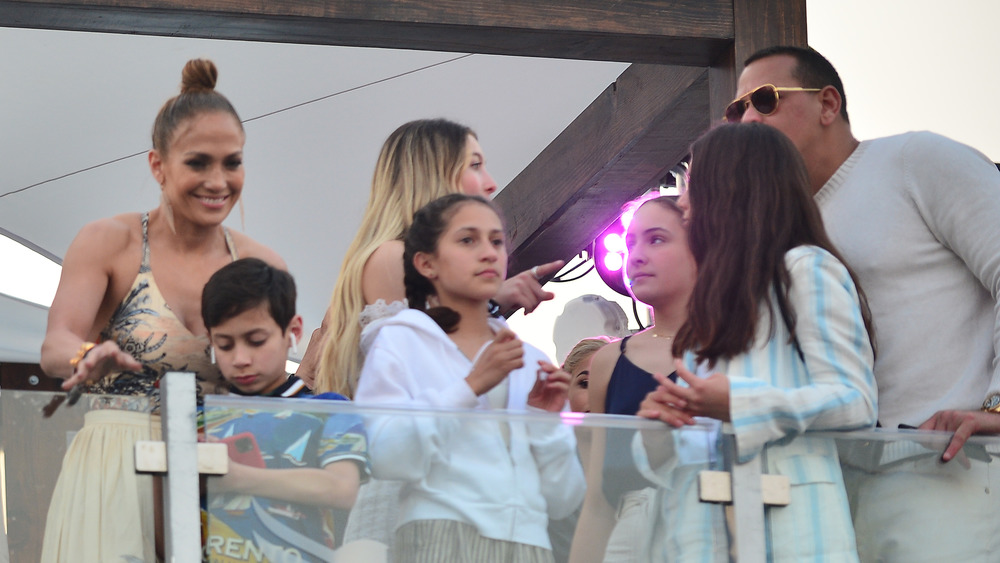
x=908 y=505
x=587 y=484
x=884 y=495
x=32 y=448
x=630 y=486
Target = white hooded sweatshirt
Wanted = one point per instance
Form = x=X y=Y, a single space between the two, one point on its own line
x=460 y=467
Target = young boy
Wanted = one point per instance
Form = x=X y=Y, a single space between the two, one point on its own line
x=288 y=466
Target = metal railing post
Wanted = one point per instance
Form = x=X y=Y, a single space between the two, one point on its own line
x=748 y=507
x=182 y=521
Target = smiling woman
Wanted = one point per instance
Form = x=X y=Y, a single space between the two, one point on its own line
x=128 y=309
x=205 y=169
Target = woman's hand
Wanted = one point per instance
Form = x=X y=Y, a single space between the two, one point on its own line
x=524 y=289
x=98 y=362
x=503 y=355
x=549 y=393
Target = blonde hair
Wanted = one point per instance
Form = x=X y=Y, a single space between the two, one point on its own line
x=583 y=350
x=419 y=162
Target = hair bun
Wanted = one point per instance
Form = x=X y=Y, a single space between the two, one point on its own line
x=199 y=75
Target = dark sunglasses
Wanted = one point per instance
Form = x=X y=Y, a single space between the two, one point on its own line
x=764 y=100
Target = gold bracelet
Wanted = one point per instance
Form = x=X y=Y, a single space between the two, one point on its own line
x=85 y=349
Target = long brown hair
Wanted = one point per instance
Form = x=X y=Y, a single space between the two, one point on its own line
x=751 y=203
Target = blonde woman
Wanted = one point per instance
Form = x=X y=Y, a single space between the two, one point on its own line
x=577 y=365
x=420 y=161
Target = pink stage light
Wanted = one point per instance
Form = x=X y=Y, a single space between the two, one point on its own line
x=614 y=243
x=614 y=262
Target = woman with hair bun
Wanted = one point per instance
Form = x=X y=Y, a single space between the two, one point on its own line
x=128 y=310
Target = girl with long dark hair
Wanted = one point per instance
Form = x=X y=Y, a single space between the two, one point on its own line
x=777 y=331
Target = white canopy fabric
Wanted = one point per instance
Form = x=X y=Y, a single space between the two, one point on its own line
x=76 y=111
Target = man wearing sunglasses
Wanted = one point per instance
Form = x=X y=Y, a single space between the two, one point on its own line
x=917 y=216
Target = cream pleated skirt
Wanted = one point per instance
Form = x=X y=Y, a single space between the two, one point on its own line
x=101 y=510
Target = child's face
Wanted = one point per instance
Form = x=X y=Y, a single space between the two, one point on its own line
x=251 y=350
x=660 y=265
x=471 y=258
x=579 y=386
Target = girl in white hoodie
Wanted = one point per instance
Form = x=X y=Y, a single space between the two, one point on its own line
x=476 y=488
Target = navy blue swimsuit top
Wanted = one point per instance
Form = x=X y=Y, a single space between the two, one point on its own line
x=629 y=385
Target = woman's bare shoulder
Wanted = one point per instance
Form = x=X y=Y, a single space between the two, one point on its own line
x=605 y=358
x=382 y=276
x=108 y=237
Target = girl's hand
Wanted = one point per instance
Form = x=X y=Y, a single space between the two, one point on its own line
x=551 y=391
x=677 y=405
x=503 y=355
x=702 y=397
x=100 y=360
x=663 y=404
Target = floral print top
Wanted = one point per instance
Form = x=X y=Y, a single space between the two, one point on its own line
x=144 y=326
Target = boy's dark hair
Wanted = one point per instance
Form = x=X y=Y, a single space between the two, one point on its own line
x=812 y=69
x=245 y=284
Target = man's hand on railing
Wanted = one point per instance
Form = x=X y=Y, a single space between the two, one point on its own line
x=964 y=424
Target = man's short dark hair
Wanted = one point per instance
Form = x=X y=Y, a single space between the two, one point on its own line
x=812 y=70
x=245 y=284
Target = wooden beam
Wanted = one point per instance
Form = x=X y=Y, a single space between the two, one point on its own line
x=619 y=147
x=759 y=24
x=763 y=23
x=691 y=32
x=721 y=84
x=628 y=139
